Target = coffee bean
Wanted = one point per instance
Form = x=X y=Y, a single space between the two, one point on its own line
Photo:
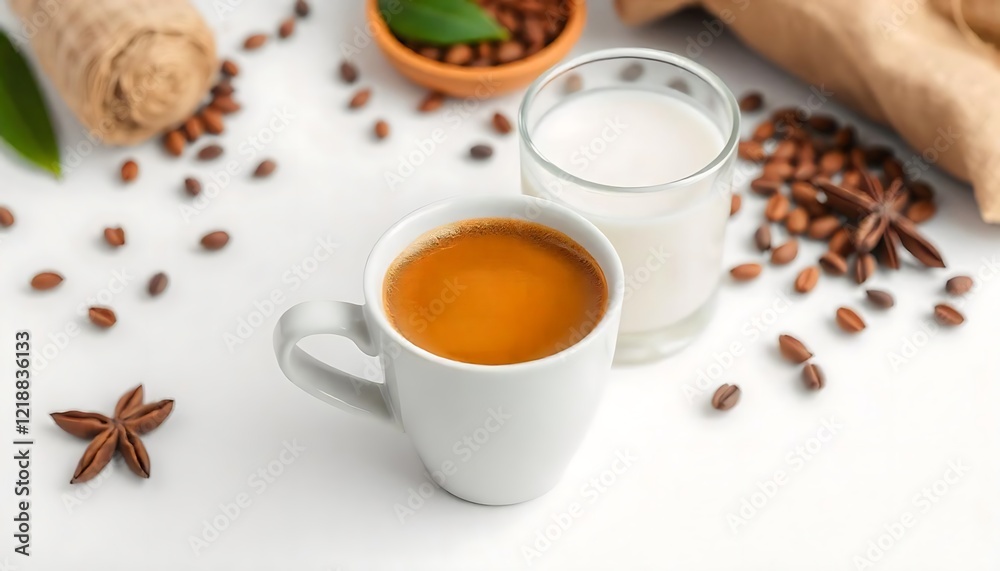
x=921 y=211
x=287 y=28
x=745 y=272
x=348 y=72
x=458 y=54
x=948 y=315
x=102 y=317
x=46 y=280
x=921 y=191
x=301 y=8
x=777 y=208
x=823 y=124
x=797 y=221
x=265 y=168
x=224 y=87
x=157 y=284
x=844 y=137
x=210 y=152
x=807 y=279
x=6 y=217
x=225 y=104
x=785 y=253
x=832 y=162
x=130 y=170
x=631 y=72
x=481 y=152
x=211 y=118
x=893 y=169
x=431 y=52
x=813 y=377
x=764 y=131
x=849 y=320
x=823 y=227
x=958 y=285
x=879 y=298
x=875 y=156
x=765 y=187
x=734 y=205
x=785 y=151
x=192 y=186
x=381 y=129
x=679 y=85
x=215 y=240
x=432 y=102
x=793 y=350
x=864 y=267
x=573 y=83
x=851 y=179
x=805 y=171
x=762 y=237
x=360 y=98
x=509 y=51
x=193 y=129
x=726 y=397
x=501 y=124
x=229 y=68
x=833 y=264
x=840 y=242
x=751 y=151
x=115 y=237
x=254 y=41
x=173 y=142
x=751 y=102
x=777 y=169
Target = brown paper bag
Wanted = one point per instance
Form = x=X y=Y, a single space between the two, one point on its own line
x=925 y=67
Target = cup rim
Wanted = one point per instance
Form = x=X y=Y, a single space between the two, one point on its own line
x=614 y=275
x=682 y=62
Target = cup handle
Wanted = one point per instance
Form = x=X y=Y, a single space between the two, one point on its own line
x=329 y=384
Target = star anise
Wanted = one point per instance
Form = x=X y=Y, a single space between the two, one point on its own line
x=881 y=222
x=121 y=433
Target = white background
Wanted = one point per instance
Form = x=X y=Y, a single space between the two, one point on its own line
x=333 y=506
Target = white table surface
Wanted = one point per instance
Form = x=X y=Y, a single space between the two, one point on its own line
x=898 y=429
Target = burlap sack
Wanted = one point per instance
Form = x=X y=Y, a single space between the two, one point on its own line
x=129 y=69
x=925 y=67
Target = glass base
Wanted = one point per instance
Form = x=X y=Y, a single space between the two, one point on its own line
x=635 y=348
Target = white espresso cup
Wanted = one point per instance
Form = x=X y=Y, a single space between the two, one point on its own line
x=490 y=434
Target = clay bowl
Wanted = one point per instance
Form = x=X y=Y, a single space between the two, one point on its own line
x=479 y=82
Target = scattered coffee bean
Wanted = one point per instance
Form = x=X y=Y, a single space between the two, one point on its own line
x=287 y=28
x=726 y=397
x=785 y=253
x=777 y=208
x=209 y=152
x=832 y=162
x=301 y=8
x=745 y=272
x=193 y=129
x=849 y=320
x=381 y=129
x=921 y=191
x=501 y=123
x=823 y=227
x=793 y=350
x=765 y=187
x=102 y=317
x=762 y=237
x=115 y=237
x=804 y=171
x=864 y=267
x=631 y=72
x=211 y=118
x=764 y=131
x=948 y=315
x=46 y=280
x=751 y=102
x=797 y=221
x=734 y=205
x=348 y=72
x=813 y=377
x=879 y=298
x=959 y=285
x=225 y=104
x=157 y=284
x=481 y=152
x=254 y=41
x=229 y=68
x=432 y=102
x=785 y=151
x=921 y=211
x=174 y=142
x=823 y=123
x=192 y=186
x=360 y=98
x=265 y=168
x=6 y=217
x=573 y=83
x=833 y=264
x=844 y=137
x=215 y=240
x=840 y=242
x=224 y=87
x=777 y=170
x=807 y=279
x=130 y=170
x=751 y=151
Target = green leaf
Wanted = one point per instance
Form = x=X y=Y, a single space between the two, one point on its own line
x=441 y=22
x=24 y=118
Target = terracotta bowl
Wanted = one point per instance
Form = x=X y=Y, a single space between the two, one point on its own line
x=480 y=82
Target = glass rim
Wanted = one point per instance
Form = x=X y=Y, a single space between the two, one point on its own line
x=649 y=54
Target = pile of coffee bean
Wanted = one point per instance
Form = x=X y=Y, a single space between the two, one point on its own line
x=532 y=24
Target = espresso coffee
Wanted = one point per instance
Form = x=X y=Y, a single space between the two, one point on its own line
x=494 y=291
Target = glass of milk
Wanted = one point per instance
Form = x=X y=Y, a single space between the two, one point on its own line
x=642 y=143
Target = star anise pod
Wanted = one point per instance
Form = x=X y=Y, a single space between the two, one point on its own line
x=121 y=433
x=881 y=223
